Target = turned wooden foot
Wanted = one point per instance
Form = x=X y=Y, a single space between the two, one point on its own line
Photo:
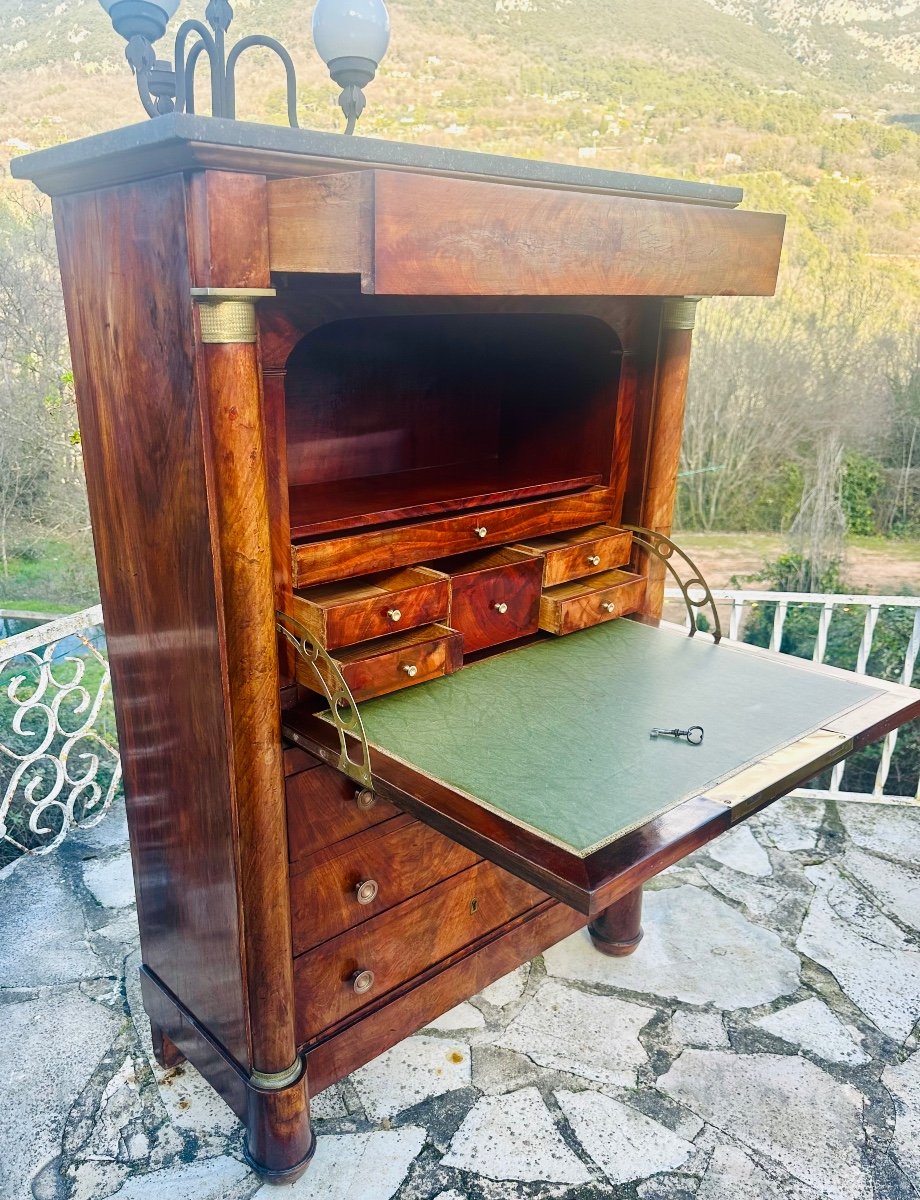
x=618 y=929
x=165 y=1052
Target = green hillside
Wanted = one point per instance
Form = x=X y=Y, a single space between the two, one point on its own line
x=794 y=100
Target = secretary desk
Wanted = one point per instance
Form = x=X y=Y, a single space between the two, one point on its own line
x=381 y=445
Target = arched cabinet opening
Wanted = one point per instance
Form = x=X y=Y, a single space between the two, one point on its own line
x=391 y=418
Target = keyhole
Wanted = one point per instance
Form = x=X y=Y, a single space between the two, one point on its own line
x=474 y=904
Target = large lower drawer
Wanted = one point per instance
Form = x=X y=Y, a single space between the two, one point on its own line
x=356 y=968
x=420 y=541
x=323 y=807
x=372 y=873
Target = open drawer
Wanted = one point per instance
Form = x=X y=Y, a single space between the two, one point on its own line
x=541 y=759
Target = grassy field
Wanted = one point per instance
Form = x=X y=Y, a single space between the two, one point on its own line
x=59 y=577
x=874 y=566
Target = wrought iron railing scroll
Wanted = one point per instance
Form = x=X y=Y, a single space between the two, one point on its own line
x=59 y=760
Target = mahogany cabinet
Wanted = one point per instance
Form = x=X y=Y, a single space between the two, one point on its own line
x=381 y=444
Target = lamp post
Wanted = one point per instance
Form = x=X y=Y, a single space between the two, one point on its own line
x=351 y=36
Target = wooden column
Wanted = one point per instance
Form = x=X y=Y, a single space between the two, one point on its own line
x=230 y=267
x=665 y=435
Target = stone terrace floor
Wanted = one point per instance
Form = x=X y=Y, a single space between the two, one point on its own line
x=761 y=1045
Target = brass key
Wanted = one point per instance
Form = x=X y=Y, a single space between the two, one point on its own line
x=694 y=735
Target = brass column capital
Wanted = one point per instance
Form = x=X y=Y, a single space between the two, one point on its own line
x=679 y=312
x=228 y=315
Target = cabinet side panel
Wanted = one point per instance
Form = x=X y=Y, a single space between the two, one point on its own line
x=124 y=261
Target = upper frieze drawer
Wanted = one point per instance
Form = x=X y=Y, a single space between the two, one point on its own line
x=427 y=235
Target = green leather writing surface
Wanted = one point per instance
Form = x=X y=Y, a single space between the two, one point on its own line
x=555 y=735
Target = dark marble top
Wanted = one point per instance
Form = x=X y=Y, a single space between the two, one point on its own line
x=180 y=141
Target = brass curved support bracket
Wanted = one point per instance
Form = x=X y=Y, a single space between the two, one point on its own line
x=665 y=550
x=343 y=710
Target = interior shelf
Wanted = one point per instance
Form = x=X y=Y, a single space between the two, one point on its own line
x=318 y=508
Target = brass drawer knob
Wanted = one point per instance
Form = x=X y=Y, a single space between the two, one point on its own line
x=608 y=606
x=411 y=670
x=500 y=607
x=365 y=799
x=394 y=614
x=366 y=892
x=594 y=560
x=480 y=531
x=362 y=981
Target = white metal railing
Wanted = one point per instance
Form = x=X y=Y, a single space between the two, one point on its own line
x=739 y=604
x=59 y=761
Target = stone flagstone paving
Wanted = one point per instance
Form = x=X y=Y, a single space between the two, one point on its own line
x=763 y=1044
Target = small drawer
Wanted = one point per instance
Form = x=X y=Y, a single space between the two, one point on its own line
x=579 y=553
x=372 y=606
x=586 y=602
x=356 y=968
x=324 y=806
x=390 y=663
x=374 y=872
x=494 y=596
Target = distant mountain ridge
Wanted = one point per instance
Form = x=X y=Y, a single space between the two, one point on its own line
x=810 y=28
x=791 y=99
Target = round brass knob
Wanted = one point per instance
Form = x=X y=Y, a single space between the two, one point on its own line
x=366 y=892
x=411 y=670
x=394 y=614
x=365 y=799
x=480 y=531
x=594 y=560
x=362 y=981
x=608 y=606
x=500 y=607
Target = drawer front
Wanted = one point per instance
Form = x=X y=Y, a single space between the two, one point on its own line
x=377 y=871
x=358 y=967
x=495 y=605
x=388 y=664
x=384 y=549
x=581 y=552
x=323 y=807
x=373 y=606
x=590 y=601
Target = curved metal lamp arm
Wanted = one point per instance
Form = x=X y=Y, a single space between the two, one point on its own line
x=267 y=43
x=142 y=60
x=191 y=62
x=665 y=550
x=342 y=707
x=185 y=68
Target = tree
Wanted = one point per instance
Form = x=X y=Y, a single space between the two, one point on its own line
x=41 y=479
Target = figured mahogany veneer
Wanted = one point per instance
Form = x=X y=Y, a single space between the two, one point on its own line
x=417 y=235
x=579 y=553
x=390 y=663
x=403 y=942
x=494 y=596
x=323 y=808
x=422 y=541
x=368 y=874
x=465 y=357
x=586 y=602
x=355 y=610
